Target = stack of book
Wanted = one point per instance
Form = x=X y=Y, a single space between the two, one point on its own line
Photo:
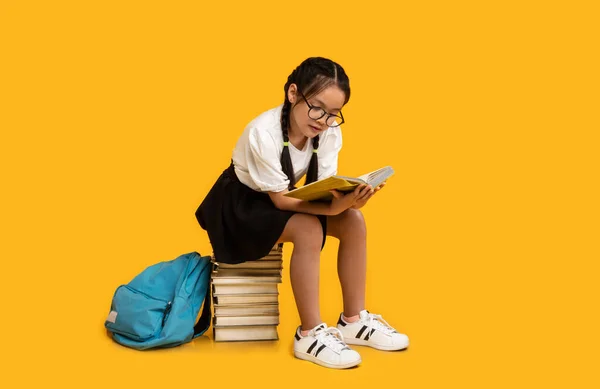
x=246 y=298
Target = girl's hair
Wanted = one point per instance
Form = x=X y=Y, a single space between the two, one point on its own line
x=311 y=77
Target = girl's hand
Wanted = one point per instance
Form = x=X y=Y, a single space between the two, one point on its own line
x=362 y=200
x=342 y=202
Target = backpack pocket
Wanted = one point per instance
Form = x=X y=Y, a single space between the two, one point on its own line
x=136 y=315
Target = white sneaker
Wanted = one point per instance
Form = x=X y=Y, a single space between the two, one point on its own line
x=371 y=330
x=325 y=346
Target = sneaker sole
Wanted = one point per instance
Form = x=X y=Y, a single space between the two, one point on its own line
x=308 y=357
x=360 y=342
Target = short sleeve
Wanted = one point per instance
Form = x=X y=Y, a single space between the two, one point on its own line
x=328 y=152
x=264 y=162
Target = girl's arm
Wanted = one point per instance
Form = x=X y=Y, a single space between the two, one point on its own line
x=338 y=205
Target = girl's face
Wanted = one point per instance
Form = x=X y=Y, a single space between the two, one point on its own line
x=330 y=99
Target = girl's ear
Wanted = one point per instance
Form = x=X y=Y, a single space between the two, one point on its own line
x=292 y=93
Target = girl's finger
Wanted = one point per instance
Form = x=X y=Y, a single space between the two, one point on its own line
x=358 y=190
x=366 y=198
x=365 y=190
x=380 y=187
x=361 y=191
x=336 y=194
x=366 y=193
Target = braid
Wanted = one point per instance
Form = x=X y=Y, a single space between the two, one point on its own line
x=313 y=168
x=286 y=160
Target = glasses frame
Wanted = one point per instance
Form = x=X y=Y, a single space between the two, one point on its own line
x=311 y=107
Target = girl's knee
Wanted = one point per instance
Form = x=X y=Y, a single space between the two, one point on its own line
x=353 y=222
x=306 y=231
x=354 y=216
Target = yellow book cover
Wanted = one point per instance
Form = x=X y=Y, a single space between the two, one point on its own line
x=320 y=190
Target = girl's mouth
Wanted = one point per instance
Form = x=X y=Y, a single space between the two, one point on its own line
x=316 y=129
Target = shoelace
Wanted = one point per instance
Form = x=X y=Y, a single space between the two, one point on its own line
x=331 y=337
x=377 y=322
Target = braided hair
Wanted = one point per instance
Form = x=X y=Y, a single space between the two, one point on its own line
x=311 y=77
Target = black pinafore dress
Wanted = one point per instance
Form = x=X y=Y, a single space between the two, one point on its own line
x=242 y=224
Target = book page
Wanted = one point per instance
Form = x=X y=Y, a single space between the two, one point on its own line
x=319 y=190
x=375 y=178
x=353 y=180
x=365 y=177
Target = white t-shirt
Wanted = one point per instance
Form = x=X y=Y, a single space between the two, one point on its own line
x=257 y=154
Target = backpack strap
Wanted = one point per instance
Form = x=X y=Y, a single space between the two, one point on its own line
x=204 y=321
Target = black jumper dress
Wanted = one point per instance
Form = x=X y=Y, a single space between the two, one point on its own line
x=242 y=224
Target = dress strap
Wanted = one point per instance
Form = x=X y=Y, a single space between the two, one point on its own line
x=230 y=172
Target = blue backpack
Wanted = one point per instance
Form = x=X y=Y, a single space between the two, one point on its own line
x=159 y=307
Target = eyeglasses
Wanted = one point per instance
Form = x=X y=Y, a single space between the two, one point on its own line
x=317 y=113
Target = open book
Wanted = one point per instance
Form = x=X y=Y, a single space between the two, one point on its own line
x=320 y=190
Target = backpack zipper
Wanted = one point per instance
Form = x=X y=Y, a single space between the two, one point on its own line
x=167 y=310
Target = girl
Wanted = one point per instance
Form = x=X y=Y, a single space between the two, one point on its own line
x=246 y=213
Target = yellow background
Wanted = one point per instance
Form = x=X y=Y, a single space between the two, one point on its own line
x=117 y=117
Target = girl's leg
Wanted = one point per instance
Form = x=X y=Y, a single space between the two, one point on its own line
x=350 y=228
x=306 y=233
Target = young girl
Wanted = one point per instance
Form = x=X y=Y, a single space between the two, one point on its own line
x=246 y=212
